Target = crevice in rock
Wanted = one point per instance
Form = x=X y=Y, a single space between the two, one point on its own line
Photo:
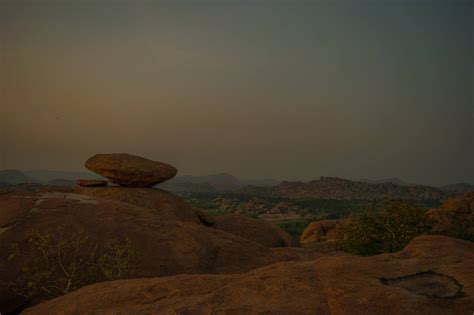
x=204 y=220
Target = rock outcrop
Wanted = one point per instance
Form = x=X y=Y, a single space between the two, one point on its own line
x=130 y=170
x=163 y=246
x=320 y=231
x=345 y=189
x=432 y=275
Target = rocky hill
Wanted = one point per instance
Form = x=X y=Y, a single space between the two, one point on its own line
x=460 y=188
x=393 y=180
x=49 y=175
x=222 y=182
x=14 y=177
x=344 y=189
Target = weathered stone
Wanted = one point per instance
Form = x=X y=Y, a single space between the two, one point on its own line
x=167 y=205
x=130 y=170
x=320 y=231
x=344 y=284
x=91 y=183
x=163 y=246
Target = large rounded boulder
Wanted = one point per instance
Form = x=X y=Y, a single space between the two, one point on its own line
x=47 y=239
x=320 y=231
x=130 y=170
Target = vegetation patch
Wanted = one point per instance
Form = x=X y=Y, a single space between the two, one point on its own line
x=456 y=224
x=55 y=262
x=383 y=227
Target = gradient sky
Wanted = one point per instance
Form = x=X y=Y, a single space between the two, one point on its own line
x=281 y=89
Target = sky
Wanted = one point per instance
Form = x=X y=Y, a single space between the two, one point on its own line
x=260 y=89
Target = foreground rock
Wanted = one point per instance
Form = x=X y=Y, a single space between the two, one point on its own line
x=130 y=170
x=162 y=246
x=432 y=275
x=300 y=253
x=258 y=231
x=91 y=183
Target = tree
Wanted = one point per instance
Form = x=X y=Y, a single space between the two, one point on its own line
x=383 y=227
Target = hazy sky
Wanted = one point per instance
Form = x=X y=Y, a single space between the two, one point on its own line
x=282 y=89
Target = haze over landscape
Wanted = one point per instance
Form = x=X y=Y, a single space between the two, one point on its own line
x=259 y=89
x=236 y=157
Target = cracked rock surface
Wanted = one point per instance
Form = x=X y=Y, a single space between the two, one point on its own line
x=342 y=284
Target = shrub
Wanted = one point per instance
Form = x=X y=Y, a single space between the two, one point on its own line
x=383 y=227
x=456 y=224
x=120 y=263
x=55 y=262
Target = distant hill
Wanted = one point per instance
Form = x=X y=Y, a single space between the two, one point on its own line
x=13 y=177
x=45 y=177
x=460 y=188
x=393 y=180
x=48 y=175
x=178 y=187
x=344 y=189
x=324 y=188
x=261 y=182
x=222 y=182
x=62 y=182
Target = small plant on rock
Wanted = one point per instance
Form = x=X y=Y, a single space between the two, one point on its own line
x=120 y=262
x=57 y=261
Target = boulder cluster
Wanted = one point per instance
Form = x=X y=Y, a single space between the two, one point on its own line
x=127 y=170
x=128 y=248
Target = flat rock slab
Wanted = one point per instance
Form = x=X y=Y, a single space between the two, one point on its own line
x=130 y=170
x=332 y=285
x=91 y=183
